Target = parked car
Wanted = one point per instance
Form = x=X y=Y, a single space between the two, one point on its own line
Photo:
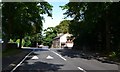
x=40 y=46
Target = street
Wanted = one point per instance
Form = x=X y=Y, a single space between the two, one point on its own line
x=60 y=60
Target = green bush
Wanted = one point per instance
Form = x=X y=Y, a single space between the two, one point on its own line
x=18 y=41
x=11 y=41
x=27 y=43
x=114 y=56
x=24 y=42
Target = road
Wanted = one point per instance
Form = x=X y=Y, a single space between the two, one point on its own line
x=61 y=60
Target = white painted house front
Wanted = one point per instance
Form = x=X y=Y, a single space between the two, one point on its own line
x=60 y=40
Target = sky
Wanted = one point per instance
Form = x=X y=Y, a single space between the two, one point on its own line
x=57 y=15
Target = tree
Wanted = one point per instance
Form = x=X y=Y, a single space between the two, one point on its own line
x=36 y=39
x=63 y=26
x=97 y=23
x=49 y=34
x=21 y=19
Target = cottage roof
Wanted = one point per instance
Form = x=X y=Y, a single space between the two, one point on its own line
x=58 y=36
x=61 y=34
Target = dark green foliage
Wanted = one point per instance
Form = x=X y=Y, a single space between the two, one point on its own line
x=63 y=26
x=96 y=26
x=22 y=19
x=49 y=34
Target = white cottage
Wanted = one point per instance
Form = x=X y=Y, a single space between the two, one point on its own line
x=60 y=40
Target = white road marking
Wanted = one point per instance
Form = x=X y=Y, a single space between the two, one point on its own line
x=81 y=69
x=34 y=57
x=49 y=57
x=20 y=62
x=58 y=55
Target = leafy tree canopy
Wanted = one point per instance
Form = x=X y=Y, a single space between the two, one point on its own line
x=49 y=34
x=63 y=26
x=95 y=23
x=22 y=18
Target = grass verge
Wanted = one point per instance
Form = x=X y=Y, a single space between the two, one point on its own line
x=11 y=52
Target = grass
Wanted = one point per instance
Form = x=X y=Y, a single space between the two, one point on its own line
x=11 y=52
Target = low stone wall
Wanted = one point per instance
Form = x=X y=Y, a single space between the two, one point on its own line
x=9 y=45
x=12 y=45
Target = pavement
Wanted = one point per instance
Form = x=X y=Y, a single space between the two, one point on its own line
x=9 y=62
x=61 y=60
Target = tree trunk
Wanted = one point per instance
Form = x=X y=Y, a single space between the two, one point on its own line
x=4 y=45
x=10 y=20
x=108 y=48
x=20 y=44
x=36 y=44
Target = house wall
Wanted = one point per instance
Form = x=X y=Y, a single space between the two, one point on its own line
x=57 y=43
x=63 y=39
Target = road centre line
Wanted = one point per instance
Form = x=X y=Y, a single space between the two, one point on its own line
x=59 y=55
x=81 y=69
x=20 y=62
x=65 y=60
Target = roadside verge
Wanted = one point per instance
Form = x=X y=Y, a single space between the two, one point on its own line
x=9 y=62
